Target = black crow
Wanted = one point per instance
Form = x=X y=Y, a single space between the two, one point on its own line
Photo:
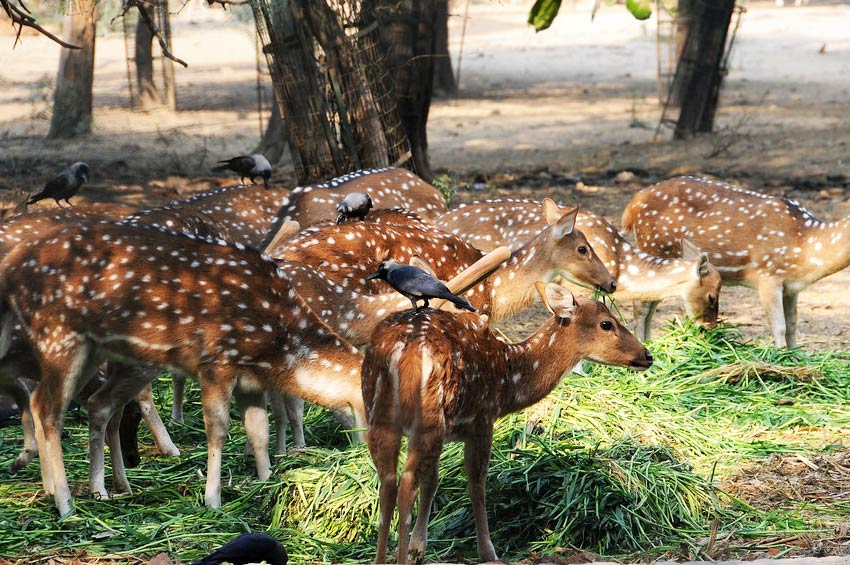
x=416 y=284
x=64 y=185
x=354 y=205
x=250 y=166
x=248 y=548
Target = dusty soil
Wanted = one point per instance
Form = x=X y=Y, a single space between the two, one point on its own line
x=569 y=113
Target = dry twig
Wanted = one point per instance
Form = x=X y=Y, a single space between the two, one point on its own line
x=21 y=15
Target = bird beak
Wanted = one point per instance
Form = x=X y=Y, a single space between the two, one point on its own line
x=339 y=219
x=373 y=276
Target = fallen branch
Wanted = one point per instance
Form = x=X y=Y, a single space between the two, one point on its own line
x=224 y=3
x=21 y=16
x=143 y=13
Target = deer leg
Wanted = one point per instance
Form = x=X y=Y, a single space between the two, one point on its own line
x=771 y=296
x=215 y=396
x=789 y=307
x=252 y=405
x=423 y=453
x=428 y=478
x=287 y=408
x=643 y=312
x=178 y=382
x=384 y=445
x=476 y=459
x=17 y=389
x=160 y=434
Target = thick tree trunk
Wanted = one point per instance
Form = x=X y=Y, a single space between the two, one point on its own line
x=683 y=18
x=699 y=69
x=72 y=100
x=148 y=95
x=444 y=77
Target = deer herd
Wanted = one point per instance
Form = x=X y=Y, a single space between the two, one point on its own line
x=260 y=293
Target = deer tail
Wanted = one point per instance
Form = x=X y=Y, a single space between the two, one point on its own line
x=627 y=223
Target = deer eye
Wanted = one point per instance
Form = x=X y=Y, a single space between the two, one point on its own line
x=582 y=250
x=606 y=325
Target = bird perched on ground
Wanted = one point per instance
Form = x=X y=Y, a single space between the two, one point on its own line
x=354 y=205
x=416 y=284
x=250 y=166
x=248 y=548
x=64 y=185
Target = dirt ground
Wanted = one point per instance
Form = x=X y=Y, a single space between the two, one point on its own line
x=569 y=113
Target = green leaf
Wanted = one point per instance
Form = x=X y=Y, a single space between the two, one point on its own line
x=640 y=9
x=543 y=13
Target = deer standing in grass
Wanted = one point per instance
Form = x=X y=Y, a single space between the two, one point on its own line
x=20 y=363
x=439 y=377
x=388 y=188
x=769 y=243
x=348 y=253
x=143 y=295
x=640 y=276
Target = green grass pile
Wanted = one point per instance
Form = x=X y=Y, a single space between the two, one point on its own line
x=613 y=461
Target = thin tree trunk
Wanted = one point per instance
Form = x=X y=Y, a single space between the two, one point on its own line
x=148 y=95
x=273 y=143
x=699 y=66
x=685 y=9
x=72 y=100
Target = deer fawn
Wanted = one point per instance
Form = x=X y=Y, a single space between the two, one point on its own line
x=388 y=188
x=348 y=253
x=143 y=295
x=439 y=377
x=769 y=243
x=640 y=276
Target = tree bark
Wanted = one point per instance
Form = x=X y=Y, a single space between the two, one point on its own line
x=444 y=76
x=148 y=95
x=273 y=143
x=699 y=69
x=72 y=100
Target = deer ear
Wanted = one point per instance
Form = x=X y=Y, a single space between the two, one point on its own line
x=284 y=232
x=704 y=267
x=551 y=211
x=689 y=250
x=381 y=254
x=565 y=224
x=557 y=299
x=417 y=261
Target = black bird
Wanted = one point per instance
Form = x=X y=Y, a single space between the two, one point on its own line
x=64 y=185
x=416 y=284
x=251 y=166
x=248 y=548
x=354 y=205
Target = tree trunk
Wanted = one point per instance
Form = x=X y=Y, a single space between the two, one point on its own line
x=148 y=95
x=444 y=76
x=699 y=69
x=273 y=143
x=683 y=18
x=72 y=100
x=408 y=29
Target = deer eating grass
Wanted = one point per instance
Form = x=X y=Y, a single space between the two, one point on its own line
x=641 y=277
x=769 y=243
x=222 y=312
x=348 y=253
x=439 y=377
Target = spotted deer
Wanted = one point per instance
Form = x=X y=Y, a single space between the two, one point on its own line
x=438 y=377
x=222 y=312
x=640 y=277
x=21 y=363
x=769 y=243
x=387 y=187
x=348 y=253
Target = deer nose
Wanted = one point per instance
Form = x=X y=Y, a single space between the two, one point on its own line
x=649 y=356
x=613 y=286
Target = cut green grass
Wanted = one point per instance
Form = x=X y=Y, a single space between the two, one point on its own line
x=613 y=461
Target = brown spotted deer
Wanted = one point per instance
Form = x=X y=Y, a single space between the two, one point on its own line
x=21 y=363
x=640 y=277
x=438 y=377
x=764 y=242
x=348 y=253
x=387 y=187
x=221 y=312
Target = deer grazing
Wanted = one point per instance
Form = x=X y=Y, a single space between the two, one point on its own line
x=348 y=253
x=387 y=188
x=439 y=377
x=222 y=312
x=640 y=276
x=769 y=243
